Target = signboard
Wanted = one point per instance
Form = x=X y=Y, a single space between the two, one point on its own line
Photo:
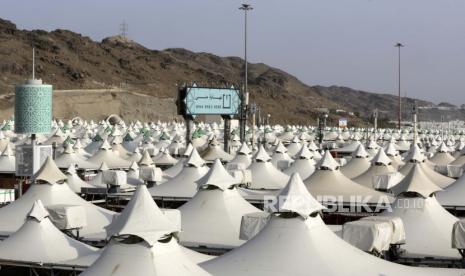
x=211 y=101
x=29 y=159
x=342 y=122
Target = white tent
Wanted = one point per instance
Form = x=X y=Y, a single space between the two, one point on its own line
x=212 y=218
x=69 y=157
x=39 y=241
x=381 y=165
x=453 y=195
x=280 y=155
x=296 y=242
x=184 y=184
x=164 y=159
x=328 y=183
x=415 y=156
x=242 y=156
x=264 y=174
x=134 y=255
x=52 y=191
x=142 y=241
x=304 y=164
x=442 y=157
x=359 y=163
x=107 y=155
x=7 y=160
x=214 y=151
x=428 y=226
x=74 y=181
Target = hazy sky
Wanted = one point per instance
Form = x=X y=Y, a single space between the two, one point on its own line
x=326 y=42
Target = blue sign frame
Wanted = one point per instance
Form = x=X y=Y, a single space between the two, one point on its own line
x=212 y=101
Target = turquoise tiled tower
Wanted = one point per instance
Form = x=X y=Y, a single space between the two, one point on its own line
x=33 y=107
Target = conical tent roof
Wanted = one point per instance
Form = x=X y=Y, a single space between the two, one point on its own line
x=327 y=162
x=295 y=198
x=414 y=154
x=454 y=194
x=184 y=183
x=304 y=153
x=360 y=151
x=381 y=158
x=280 y=148
x=217 y=176
x=244 y=149
x=7 y=160
x=428 y=227
x=290 y=240
x=416 y=181
x=141 y=217
x=262 y=155
x=49 y=172
x=107 y=155
x=195 y=159
x=212 y=218
x=164 y=258
x=146 y=160
x=48 y=244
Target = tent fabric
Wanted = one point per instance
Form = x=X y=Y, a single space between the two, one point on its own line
x=161 y=259
x=428 y=227
x=39 y=241
x=49 y=172
x=182 y=185
x=295 y=198
x=292 y=241
x=368 y=235
x=328 y=184
x=440 y=180
x=458 y=234
x=327 y=162
x=66 y=217
x=453 y=195
x=135 y=219
x=398 y=230
x=416 y=181
x=217 y=176
x=12 y=216
x=355 y=167
x=212 y=218
x=252 y=224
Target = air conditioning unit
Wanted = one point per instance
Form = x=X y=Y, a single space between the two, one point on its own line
x=30 y=158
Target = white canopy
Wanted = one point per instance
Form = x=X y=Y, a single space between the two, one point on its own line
x=212 y=218
x=161 y=259
x=416 y=181
x=295 y=198
x=39 y=241
x=217 y=176
x=298 y=246
x=143 y=218
x=51 y=193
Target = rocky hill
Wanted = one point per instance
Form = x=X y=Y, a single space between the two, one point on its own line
x=72 y=61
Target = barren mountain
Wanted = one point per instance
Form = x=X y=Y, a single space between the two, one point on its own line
x=138 y=82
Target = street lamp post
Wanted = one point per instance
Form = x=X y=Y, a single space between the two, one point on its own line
x=399 y=115
x=245 y=93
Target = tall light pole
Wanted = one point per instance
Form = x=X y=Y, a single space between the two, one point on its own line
x=245 y=93
x=399 y=115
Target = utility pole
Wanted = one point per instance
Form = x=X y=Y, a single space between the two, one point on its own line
x=399 y=115
x=245 y=93
x=414 y=118
x=123 y=28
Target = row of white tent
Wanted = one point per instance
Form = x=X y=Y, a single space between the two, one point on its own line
x=143 y=240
